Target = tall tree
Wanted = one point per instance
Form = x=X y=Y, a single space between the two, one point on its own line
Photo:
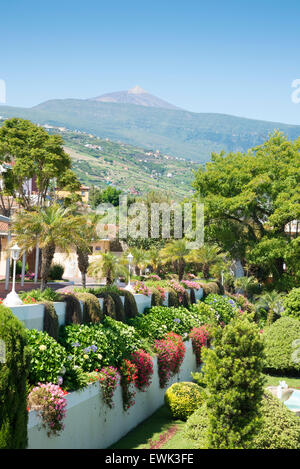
x=107 y=266
x=176 y=251
x=249 y=198
x=29 y=152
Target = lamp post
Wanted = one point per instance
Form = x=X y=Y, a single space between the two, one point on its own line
x=130 y=259
x=13 y=298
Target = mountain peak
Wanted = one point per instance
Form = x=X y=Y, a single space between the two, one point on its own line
x=137 y=90
x=135 y=95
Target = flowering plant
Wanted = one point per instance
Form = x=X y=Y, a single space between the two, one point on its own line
x=162 y=292
x=129 y=375
x=171 y=351
x=178 y=288
x=28 y=300
x=200 y=338
x=108 y=380
x=49 y=401
x=190 y=276
x=191 y=284
x=144 y=365
x=140 y=287
x=154 y=277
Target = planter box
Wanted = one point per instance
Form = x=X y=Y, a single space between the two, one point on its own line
x=198 y=294
x=91 y=424
x=60 y=309
x=32 y=316
x=166 y=301
x=142 y=302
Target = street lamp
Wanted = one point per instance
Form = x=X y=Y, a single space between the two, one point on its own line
x=130 y=259
x=13 y=298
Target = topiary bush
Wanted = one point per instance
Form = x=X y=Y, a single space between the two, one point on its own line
x=182 y=399
x=209 y=287
x=173 y=298
x=73 y=309
x=14 y=369
x=291 y=304
x=50 y=322
x=91 y=307
x=281 y=350
x=130 y=307
x=280 y=428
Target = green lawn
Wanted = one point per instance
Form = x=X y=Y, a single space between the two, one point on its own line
x=153 y=428
x=274 y=381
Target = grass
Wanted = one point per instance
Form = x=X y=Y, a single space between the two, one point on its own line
x=154 y=428
x=274 y=381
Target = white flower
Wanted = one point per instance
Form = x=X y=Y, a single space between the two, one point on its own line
x=99 y=356
x=42 y=348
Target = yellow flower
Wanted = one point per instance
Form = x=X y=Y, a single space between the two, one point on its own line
x=85 y=356
x=42 y=347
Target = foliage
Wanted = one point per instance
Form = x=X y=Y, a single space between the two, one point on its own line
x=291 y=304
x=170 y=354
x=50 y=403
x=56 y=272
x=205 y=313
x=91 y=307
x=247 y=284
x=141 y=288
x=207 y=257
x=272 y=303
x=130 y=307
x=158 y=296
x=234 y=384
x=182 y=399
x=176 y=252
x=280 y=428
x=129 y=376
x=144 y=365
x=249 y=198
x=108 y=380
x=225 y=307
x=210 y=287
x=162 y=319
x=14 y=363
x=281 y=347
x=47 y=357
x=109 y=195
x=200 y=337
x=48 y=294
x=107 y=266
x=49 y=227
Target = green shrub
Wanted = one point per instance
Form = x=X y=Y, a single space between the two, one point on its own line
x=18 y=268
x=280 y=428
x=91 y=307
x=50 y=322
x=291 y=304
x=280 y=347
x=109 y=308
x=47 y=357
x=56 y=272
x=156 y=299
x=173 y=300
x=225 y=308
x=14 y=368
x=130 y=307
x=232 y=374
x=161 y=319
x=209 y=287
x=48 y=294
x=119 y=308
x=182 y=399
x=204 y=313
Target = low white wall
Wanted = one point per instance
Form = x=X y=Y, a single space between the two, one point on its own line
x=32 y=316
x=142 y=302
x=198 y=294
x=91 y=424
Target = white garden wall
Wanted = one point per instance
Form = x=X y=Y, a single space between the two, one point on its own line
x=91 y=424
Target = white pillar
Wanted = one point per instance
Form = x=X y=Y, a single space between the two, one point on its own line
x=23 y=269
x=36 y=269
x=7 y=262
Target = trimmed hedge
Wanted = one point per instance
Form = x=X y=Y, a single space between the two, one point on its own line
x=130 y=307
x=50 y=324
x=13 y=376
x=182 y=399
x=73 y=309
x=282 y=357
x=291 y=304
x=91 y=307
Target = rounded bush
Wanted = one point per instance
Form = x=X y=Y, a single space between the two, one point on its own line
x=13 y=374
x=291 y=303
x=56 y=272
x=280 y=428
x=282 y=348
x=91 y=307
x=182 y=399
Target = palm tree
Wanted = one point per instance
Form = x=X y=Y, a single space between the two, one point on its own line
x=140 y=259
x=207 y=256
x=272 y=302
x=83 y=251
x=175 y=251
x=245 y=283
x=50 y=227
x=154 y=260
x=108 y=266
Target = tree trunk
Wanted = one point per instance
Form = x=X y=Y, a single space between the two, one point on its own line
x=205 y=271
x=83 y=264
x=180 y=270
x=47 y=258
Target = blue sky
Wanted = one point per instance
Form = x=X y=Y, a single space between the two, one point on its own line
x=234 y=57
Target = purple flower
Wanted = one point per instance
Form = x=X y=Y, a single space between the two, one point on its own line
x=76 y=344
x=60 y=380
x=94 y=348
x=177 y=320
